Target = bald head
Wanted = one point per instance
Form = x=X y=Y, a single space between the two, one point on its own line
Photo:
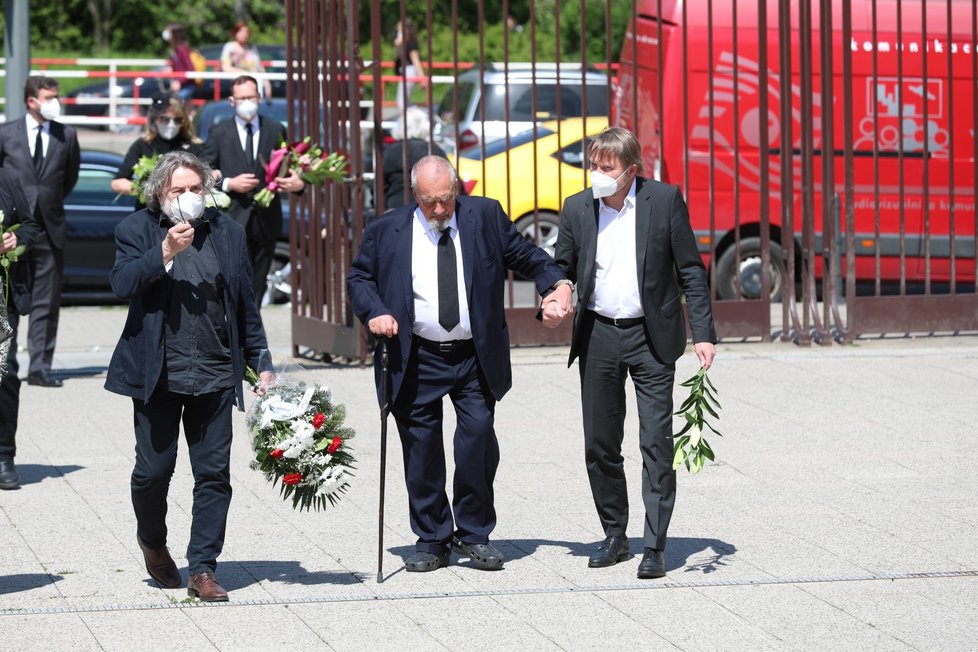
x=434 y=184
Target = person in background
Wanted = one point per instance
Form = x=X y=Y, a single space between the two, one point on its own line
x=241 y=56
x=627 y=243
x=16 y=210
x=243 y=174
x=192 y=327
x=180 y=61
x=407 y=61
x=46 y=158
x=168 y=128
x=413 y=140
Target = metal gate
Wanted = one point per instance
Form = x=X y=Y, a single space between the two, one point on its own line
x=826 y=148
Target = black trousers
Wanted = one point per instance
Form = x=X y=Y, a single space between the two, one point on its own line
x=418 y=412
x=261 y=251
x=42 y=331
x=610 y=355
x=207 y=428
x=10 y=391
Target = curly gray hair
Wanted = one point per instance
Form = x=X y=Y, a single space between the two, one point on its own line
x=159 y=180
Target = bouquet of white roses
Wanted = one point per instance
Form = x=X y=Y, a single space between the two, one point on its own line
x=300 y=442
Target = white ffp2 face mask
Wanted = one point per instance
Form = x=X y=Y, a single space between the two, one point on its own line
x=246 y=110
x=188 y=206
x=168 y=131
x=604 y=186
x=51 y=110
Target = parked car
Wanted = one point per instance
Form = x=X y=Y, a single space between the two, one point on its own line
x=538 y=172
x=96 y=95
x=93 y=210
x=483 y=98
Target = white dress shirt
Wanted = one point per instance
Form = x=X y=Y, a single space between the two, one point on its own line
x=424 y=279
x=243 y=138
x=32 y=125
x=616 y=291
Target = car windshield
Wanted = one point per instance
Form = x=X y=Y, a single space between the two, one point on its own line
x=520 y=101
x=499 y=146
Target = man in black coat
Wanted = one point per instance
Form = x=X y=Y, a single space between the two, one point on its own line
x=45 y=156
x=15 y=211
x=192 y=327
x=242 y=172
x=627 y=244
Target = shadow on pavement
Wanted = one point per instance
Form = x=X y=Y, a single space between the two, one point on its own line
x=34 y=473
x=237 y=575
x=26 y=582
x=697 y=555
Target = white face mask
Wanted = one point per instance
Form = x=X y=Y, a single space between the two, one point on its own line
x=246 y=110
x=168 y=131
x=188 y=206
x=604 y=186
x=51 y=109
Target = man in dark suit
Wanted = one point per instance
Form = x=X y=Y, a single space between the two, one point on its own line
x=430 y=277
x=192 y=326
x=242 y=170
x=45 y=155
x=627 y=244
x=15 y=209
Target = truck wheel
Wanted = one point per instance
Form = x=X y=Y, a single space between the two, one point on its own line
x=748 y=269
x=549 y=226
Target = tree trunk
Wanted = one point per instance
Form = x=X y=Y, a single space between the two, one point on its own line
x=101 y=11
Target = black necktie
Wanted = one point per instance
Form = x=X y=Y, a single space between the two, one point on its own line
x=250 y=146
x=447 y=282
x=38 y=153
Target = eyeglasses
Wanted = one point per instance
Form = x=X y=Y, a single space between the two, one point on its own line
x=164 y=119
x=253 y=98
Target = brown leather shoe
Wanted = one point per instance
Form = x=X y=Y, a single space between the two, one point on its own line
x=205 y=587
x=160 y=566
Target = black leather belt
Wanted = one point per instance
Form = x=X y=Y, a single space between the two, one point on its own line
x=621 y=322
x=451 y=346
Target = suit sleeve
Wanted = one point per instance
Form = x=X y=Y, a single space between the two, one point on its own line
x=138 y=260
x=253 y=331
x=523 y=256
x=73 y=163
x=566 y=249
x=362 y=281
x=22 y=214
x=691 y=272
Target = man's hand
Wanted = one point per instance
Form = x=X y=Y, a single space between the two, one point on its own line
x=290 y=183
x=9 y=242
x=178 y=238
x=383 y=326
x=265 y=379
x=245 y=182
x=705 y=352
x=557 y=305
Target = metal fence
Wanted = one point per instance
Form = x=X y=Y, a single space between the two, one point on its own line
x=826 y=148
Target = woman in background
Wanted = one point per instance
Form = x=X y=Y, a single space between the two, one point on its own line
x=241 y=56
x=406 y=43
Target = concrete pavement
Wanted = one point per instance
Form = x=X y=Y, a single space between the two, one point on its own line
x=840 y=515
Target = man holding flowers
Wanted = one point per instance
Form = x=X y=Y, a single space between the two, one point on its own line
x=192 y=327
x=240 y=149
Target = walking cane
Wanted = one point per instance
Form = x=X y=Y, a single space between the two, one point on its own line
x=384 y=411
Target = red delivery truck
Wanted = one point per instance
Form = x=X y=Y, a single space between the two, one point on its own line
x=913 y=131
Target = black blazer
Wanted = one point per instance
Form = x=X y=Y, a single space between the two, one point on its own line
x=16 y=211
x=139 y=277
x=379 y=282
x=669 y=265
x=59 y=173
x=223 y=152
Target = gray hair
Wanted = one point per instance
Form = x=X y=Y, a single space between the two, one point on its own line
x=418 y=125
x=159 y=180
x=618 y=143
x=434 y=159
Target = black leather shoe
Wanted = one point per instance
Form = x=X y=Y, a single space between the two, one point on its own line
x=8 y=473
x=484 y=556
x=422 y=562
x=44 y=379
x=653 y=565
x=611 y=551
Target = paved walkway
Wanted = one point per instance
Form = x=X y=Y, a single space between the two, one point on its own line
x=841 y=515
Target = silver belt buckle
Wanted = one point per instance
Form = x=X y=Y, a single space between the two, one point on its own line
x=445 y=347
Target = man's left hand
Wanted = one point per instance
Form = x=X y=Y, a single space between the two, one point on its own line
x=265 y=379
x=291 y=183
x=705 y=352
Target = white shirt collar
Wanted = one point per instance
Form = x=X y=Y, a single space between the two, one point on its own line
x=241 y=123
x=629 y=199
x=430 y=230
x=32 y=124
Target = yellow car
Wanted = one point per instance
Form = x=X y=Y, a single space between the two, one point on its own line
x=515 y=178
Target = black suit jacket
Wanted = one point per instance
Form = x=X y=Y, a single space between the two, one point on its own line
x=16 y=211
x=669 y=265
x=45 y=193
x=223 y=152
x=379 y=282
x=140 y=278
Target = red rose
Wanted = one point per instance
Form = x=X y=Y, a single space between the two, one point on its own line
x=335 y=446
x=318 y=420
x=277 y=453
x=292 y=478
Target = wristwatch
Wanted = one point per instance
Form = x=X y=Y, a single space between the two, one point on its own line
x=564 y=281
